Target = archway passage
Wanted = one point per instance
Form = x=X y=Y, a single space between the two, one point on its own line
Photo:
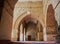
x=30 y=29
x=34 y=10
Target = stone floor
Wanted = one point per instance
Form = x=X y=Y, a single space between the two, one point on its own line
x=27 y=42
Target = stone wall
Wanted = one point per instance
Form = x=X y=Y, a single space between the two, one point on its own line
x=1 y=7
x=7 y=19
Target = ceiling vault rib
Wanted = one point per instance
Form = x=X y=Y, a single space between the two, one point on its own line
x=57 y=5
x=8 y=12
x=9 y=4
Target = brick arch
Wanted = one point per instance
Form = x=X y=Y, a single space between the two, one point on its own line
x=51 y=23
x=50 y=19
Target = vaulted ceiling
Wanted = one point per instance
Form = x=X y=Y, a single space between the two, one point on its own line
x=9 y=6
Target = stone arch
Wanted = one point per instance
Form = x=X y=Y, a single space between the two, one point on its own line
x=27 y=18
x=17 y=23
x=18 y=18
x=50 y=15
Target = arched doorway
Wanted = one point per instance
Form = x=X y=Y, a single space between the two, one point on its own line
x=30 y=29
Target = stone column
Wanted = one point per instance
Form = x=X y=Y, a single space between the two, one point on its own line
x=21 y=32
x=38 y=33
x=24 y=34
x=44 y=34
